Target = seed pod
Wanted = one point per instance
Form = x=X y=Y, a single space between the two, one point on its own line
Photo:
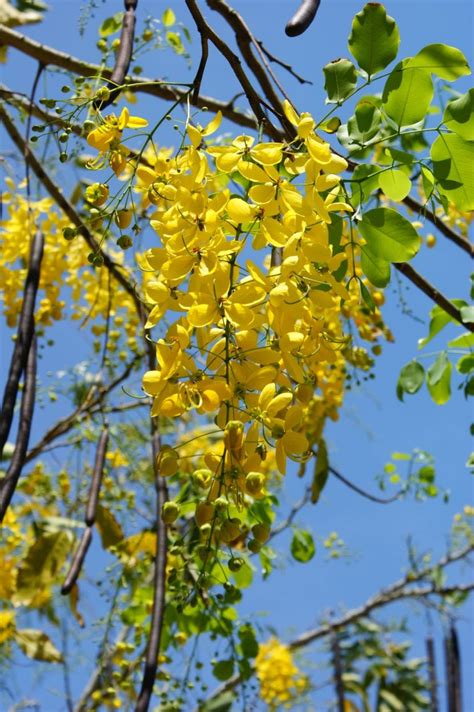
x=302 y=18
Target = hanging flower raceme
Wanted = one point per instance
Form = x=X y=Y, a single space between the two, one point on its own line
x=280 y=680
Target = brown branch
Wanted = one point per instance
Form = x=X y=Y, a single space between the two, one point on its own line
x=97 y=477
x=156 y=624
x=24 y=336
x=51 y=57
x=10 y=481
x=359 y=490
x=57 y=195
x=91 y=401
x=200 y=70
x=447 y=231
x=77 y=561
x=236 y=66
x=400 y=590
x=124 y=54
x=245 y=40
x=286 y=66
x=433 y=293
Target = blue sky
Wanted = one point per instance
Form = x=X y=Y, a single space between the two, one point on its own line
x=373 y=423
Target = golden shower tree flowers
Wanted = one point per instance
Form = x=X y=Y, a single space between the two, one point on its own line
x=110 y=129
x=281 y=682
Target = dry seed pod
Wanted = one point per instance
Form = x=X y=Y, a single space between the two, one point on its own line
x=302 y=18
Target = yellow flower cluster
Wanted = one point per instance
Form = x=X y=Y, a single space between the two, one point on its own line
x=64 y=266
x=279 y=678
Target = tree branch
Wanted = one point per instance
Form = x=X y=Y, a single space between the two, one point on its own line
x=124 y=54
x=433 y=293
x=51 y=57
x=447 y=231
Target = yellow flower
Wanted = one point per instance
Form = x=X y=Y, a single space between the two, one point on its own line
x=110 y=130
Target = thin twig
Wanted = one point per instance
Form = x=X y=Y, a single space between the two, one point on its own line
x=9 y=482
x=236 y=66
x=433 y=293
x=286 y=66
x=144 y=85
x=359 y=490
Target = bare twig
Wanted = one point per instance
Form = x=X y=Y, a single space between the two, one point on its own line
x=433 y=293
x=144 y=85
x=236 y=66
x=9 y=482
x=359 y=490
x=286 y=66
x=24 y=336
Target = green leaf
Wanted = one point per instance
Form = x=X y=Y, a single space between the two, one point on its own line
x=465 y=341
x=438 y=379
x=223 y=703
x=389 y=235
x=465 y=364
x=428 y=182
x=412 y=377
x=248 y=641
x=321 y=471
x=395 y=184
x=374 y=38
x=407 y=94
x=302 y=546
x=223 y=669
x=36 y=645
x=168 y=18
x=111 y=25
x=375 y=269
x=340 y=80
x=394 y=702
x=109 y=529
x=446 y=62
x=453 y=159
x=174 y=40
x=467 y=314
x=459 y=116
x=42 y=564
x=330 y=126
x=438 y=320
x=366 y=296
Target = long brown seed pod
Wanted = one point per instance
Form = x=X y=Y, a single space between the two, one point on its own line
x=23 y=338
x=337 y=666
x=124 y=54
x=97 y=477
x=302 y=18
x=154 y=640
x=432 y=677
x=456 y=669
x=77 y=561
x=10 y=481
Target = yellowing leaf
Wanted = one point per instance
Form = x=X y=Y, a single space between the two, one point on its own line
x=109 y=529
x=37 y=645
